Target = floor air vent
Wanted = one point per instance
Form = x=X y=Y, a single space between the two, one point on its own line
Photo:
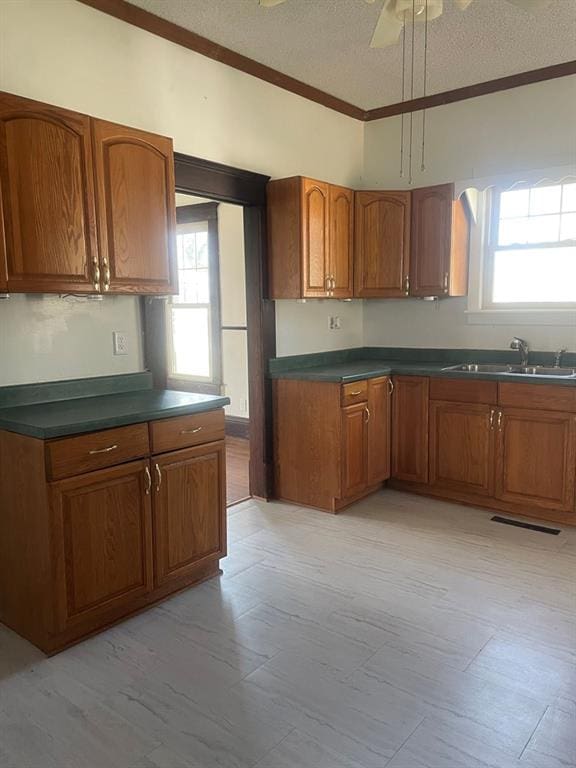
x=518 y=524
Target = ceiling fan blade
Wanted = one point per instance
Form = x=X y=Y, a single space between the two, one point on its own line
x=462 y=4
x=388 y=27
x=270 y=3
x=530 y=5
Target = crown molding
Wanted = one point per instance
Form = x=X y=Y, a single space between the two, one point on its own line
x=138 y=17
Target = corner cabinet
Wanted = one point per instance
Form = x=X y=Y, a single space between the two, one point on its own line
x=382 y=250
x=410 y=429
x=85 y=206
x=310 y=239
x=439 y=243
x=332 y=441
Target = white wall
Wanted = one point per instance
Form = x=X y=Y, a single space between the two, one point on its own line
x=68 y=54
x=45 y=338
x=504 y=133
x=303 y=328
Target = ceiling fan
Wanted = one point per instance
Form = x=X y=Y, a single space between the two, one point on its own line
x=396 y=13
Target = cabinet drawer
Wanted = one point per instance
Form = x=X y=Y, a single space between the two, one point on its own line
x=542 y=397
x=459 y=391
x=71 y=456
x=182 y=431
x=355 y=392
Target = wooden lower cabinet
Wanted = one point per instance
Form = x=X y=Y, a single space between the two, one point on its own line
x=536 y=459
x=189 y=487
x=102 y=529
x=410 y=429
x=462 y=447
x=327 y=452
x=79 y=552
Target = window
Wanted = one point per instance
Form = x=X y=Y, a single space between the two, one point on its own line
x=193 y=315
x=531 y=260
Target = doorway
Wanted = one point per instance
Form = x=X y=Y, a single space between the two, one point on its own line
x=222 y=305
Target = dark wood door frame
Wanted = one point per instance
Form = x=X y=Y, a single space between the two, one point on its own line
x=226 y=184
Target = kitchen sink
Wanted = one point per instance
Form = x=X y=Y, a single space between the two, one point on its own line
x=529 y=370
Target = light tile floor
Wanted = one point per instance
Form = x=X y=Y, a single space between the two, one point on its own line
x=403 y=633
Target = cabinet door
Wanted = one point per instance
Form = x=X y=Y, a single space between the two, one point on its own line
x=536 y=458
x=431 y=240
x=382 y=244
x=136 y=209
x=354 y=449
x=315 y=238
x=341 y=241
x=410 y=429
x=189 y=509
x=462 y=447
x=379 y=404
x=103 y=541
x=47 y=198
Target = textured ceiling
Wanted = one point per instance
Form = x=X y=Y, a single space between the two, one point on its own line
x=326 y=43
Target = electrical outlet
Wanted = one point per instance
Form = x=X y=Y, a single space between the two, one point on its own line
x=120 y=343
x=334 y=322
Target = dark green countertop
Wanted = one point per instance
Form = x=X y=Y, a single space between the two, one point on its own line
x=369 y=369
x=88 y=414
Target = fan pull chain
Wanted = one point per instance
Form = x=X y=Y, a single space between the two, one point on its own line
x=403 y=90
x=423 y=163
x=411 y=90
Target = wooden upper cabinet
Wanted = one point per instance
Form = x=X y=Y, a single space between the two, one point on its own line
x=341 y=218
x=47 y=198
x=315 y=238
x=310 y=239
x=536 y=459
x=439 y=243
x=382 y=250
x=136 y=209
x=410 y=428
x=189 y=509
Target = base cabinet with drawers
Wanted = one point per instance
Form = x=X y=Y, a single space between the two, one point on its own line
x=332 y=441
x=95 y=527
x=507 y=446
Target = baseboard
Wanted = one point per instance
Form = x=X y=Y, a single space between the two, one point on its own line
x=238 y=426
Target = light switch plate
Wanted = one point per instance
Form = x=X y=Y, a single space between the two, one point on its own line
x=120 y=343
x=334 y=323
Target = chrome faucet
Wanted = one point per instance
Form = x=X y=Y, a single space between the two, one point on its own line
x=521 y=346
x=558 y=358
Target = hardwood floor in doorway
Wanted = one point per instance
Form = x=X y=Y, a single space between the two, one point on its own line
x=237 y=469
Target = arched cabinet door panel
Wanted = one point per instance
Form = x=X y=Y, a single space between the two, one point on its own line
x=316 y=233
x=48 y=242
x=136 y=209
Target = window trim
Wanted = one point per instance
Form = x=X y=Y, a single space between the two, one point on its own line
x=189 y=214
x=492 y=220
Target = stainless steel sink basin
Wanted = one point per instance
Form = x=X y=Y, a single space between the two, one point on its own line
x=530 y=370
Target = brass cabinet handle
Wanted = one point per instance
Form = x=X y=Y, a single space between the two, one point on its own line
x=103 y=450
x=390 y=386
x=367 y=411
x=106 y=274
x=499 y=421
x=148 y=481
x=333 y=281
x=190 y=431
x=445 y=282
x=492 y=418
x=407 y=285
x=96 y=274
x=159 y=476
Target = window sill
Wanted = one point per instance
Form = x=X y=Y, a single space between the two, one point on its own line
x=566 y=317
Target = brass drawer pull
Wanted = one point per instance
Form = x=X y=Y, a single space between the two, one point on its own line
x=103 y=450
x=148 y=481
x=190 y=431
x=355 y=393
